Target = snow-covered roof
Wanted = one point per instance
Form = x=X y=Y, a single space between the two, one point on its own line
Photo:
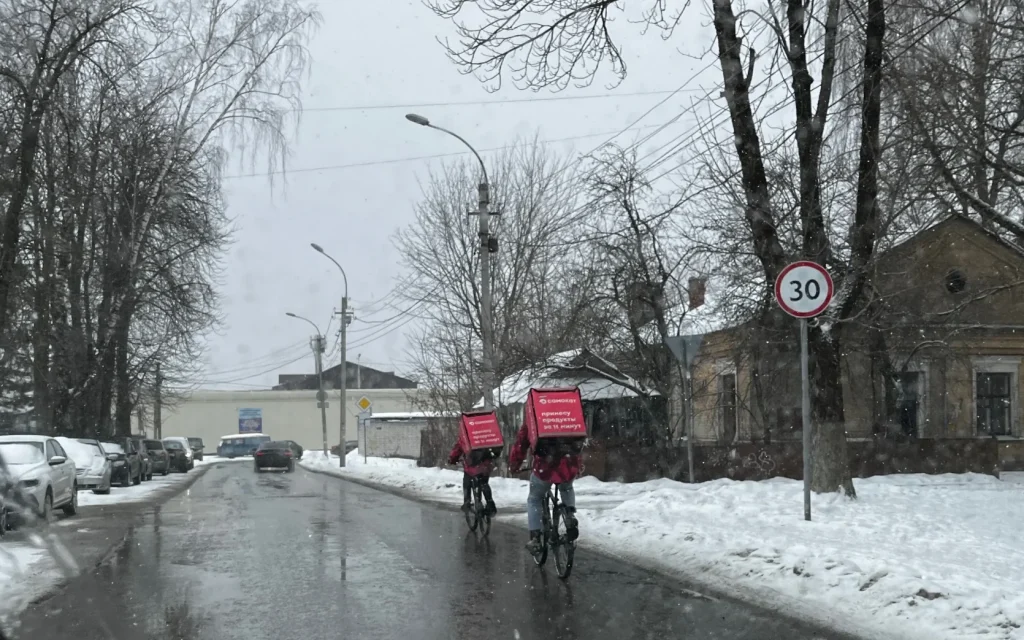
x=412 y=415
x=25 y=438
x=597 y=379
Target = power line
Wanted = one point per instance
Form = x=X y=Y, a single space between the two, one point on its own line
x=371 y=163
x=249 y=377
x=466 y=103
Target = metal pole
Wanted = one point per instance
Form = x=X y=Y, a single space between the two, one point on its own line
x=318 y=348
x=486 y=326
x=158 y=406
x=688 y=392
x=805 y=406
x=344 y=372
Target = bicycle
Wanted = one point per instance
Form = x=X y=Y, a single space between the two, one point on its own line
x=478 y=516
x=564 y=549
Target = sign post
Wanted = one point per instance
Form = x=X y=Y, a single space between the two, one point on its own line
x=804 y=290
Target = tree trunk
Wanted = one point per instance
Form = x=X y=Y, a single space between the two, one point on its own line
x=123 y=394
x=830 y=470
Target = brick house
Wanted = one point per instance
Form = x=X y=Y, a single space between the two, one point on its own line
x=949 y=341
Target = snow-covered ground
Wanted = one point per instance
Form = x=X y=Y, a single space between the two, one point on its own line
x=30 y=564
x=915 y=556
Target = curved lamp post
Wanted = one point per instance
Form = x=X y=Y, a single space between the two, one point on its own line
x=343 y=374
x=488 y=245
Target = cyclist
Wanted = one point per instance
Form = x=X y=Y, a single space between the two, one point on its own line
x=481 y=469
x=557 y=468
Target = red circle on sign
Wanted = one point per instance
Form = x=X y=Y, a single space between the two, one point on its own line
x=800 y=275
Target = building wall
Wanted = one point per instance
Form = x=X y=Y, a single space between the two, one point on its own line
x=287 y=415
x=947 y=337
x=393 y=439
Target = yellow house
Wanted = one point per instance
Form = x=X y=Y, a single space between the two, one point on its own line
x=948 y=336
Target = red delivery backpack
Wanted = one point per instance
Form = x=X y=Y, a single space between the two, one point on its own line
x=554 y=422
x=480 y=436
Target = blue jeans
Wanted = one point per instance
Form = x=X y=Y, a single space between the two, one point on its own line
x=535 y=501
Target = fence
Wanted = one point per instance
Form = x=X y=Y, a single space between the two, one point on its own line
x=751 y=461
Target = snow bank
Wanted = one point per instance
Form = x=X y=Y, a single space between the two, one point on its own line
x=915 y=556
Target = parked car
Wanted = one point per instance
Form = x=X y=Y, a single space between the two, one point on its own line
x=240 y=444
x=5 y=494
x=178 y=454
x=92 y=469
x=43 y=472
x=147 y=464
x=275 y=455
x=197 y=448
x=126 y=461
x=158 y=456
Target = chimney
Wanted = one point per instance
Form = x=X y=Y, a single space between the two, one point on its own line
x=695 y=291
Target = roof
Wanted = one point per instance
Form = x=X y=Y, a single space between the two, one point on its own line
x=25 y=438
x=596 y=378
x=413 y=415
x=227 y=437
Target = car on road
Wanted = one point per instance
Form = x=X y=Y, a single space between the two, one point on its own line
x=240 y=444
x=158 y=456
x=44 y=474
x=92 y=468
x=178 y=454
x=296 y=448
x=126 y=461
x=275 y=455
x=147 y=464
x=197 y=448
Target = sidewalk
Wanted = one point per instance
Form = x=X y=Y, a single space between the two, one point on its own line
x=915 y=556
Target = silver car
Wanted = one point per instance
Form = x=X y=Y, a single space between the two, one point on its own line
x=92 y=466
x=44 y=474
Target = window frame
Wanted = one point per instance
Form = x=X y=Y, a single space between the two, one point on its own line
x=997 y=364
x=921 y=367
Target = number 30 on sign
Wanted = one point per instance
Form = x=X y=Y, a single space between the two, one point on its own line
x=803 y=289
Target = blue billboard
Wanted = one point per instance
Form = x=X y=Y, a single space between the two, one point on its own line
x=250 y=421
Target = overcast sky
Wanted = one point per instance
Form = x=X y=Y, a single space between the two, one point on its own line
x=387 y=60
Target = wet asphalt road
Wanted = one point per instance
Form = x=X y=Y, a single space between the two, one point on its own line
x=304 y=555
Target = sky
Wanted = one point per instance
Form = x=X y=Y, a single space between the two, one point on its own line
x=356 y=163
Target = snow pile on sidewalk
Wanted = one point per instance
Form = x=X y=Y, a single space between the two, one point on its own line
x=25 y=572
x=915 y=556
x=142 y=492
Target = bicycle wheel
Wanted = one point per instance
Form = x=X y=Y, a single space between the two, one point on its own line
x=482 y=519
x=472 y=519
x=563 y=549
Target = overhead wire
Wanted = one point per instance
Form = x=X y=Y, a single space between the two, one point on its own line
x=467 y=103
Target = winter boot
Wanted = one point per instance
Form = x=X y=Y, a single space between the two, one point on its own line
x=572 y=527
x=535 y=543
x=492 y=509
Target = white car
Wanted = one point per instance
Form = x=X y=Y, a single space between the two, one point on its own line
x=189 y=456
x=43 y=472
x=92 y=468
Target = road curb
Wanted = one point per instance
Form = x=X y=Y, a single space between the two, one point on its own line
x=119 y=543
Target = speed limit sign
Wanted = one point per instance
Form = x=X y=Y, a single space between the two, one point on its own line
x=803 y=289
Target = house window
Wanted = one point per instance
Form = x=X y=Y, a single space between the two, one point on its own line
x=908 y=405
x=727 y=404
x=993 y=397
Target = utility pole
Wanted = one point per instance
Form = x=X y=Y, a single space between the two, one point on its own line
x=343 y=371
x=317 y=343
x=158 y=423
x=487 y=245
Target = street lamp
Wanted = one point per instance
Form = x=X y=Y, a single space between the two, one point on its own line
x=488 y=245
x=321 y=397
x=343 y=374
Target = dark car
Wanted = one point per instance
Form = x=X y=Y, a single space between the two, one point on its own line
x=197 y=447
x=147 y=464
x=176 y=455
x=127 y=463
x=275 y=455
x=296 y=449
x=158 y=457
